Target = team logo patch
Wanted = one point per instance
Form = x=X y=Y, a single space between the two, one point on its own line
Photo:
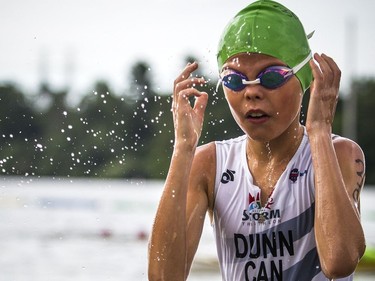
x=295 y=173
x=256 y=213
x=254 y=202
x=227 y=176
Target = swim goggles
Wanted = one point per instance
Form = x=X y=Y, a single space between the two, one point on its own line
x=271 y=78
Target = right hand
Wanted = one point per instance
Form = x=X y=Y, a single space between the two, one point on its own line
x=188 y=119
x=324 y=93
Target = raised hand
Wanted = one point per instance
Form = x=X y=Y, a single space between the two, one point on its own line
x=324 y=93
x=187 y=118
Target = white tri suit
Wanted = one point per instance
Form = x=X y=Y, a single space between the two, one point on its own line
x=271 y=242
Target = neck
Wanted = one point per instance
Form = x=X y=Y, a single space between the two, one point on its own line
x=280 y=149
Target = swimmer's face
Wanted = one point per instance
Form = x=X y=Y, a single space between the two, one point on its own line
x=263 y=113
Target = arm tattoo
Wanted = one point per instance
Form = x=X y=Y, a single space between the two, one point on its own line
x=361 y=179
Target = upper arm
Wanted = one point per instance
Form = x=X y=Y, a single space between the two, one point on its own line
x=352 y=164
x=199 y=198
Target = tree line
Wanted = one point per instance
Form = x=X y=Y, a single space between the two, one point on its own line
x=128 y=135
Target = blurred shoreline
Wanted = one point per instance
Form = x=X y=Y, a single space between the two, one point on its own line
x=89 y=229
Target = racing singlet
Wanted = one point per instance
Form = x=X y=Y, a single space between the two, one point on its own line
x=275 y=241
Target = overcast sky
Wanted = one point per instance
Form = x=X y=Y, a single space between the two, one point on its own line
x=80 y=41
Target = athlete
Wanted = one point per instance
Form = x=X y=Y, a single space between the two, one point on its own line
x=283 y=198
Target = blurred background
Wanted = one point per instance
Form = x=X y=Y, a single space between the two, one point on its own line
x=85 y=103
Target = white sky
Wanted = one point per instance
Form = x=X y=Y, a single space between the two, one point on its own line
x=83 y=40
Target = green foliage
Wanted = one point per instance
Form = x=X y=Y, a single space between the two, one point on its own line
x=127 y=136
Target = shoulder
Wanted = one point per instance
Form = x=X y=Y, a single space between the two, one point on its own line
x=348 y=150
x=205 y=153
x=204 y=163
x=208 y=151
x=204 y=170
x=352 y=165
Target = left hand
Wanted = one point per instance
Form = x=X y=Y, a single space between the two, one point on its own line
x=324 y=93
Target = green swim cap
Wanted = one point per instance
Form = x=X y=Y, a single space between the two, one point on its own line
x=269 y=28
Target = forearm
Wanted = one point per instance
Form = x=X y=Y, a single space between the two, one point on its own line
x=167 y=248
x=338 y=230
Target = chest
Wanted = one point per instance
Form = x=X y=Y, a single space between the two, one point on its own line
x=265 y=178
x=241 y=207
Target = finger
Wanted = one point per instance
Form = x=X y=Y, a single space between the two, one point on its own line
x=325 y=68
x=182 y=103
x=186 y=84
x=190 y=83
x=334 y=68
x=317 y=74
x=331 y=73
x=184 y=95
x=201 y=103
x=187 y=71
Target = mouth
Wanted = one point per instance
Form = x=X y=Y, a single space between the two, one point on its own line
x=257 y=116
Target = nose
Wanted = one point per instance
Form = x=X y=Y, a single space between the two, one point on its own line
x=253 y=92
